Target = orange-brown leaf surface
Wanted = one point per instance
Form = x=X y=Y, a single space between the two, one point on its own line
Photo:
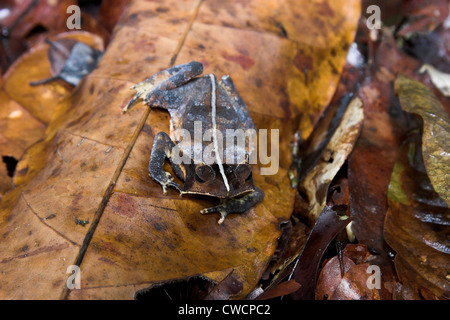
x=284 y=58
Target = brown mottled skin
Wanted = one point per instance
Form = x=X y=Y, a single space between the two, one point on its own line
x=188 y=99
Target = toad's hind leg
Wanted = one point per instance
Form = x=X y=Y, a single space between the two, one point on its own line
x=161 y=150
x=234 y=205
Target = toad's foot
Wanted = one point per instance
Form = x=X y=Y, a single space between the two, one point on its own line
x=169 y=182
x=239 y=205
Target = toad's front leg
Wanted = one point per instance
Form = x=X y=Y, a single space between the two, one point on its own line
x=236 y=205
x=162 y=148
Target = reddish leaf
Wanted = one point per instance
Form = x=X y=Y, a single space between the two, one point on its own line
x=305 y=270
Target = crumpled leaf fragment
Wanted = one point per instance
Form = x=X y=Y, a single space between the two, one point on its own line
x=71 y=61
x=24 y=21
x=41 y=101
x=324 y=154
x=440 y=79
x=418 y=99
x=93 y=163
x=306 y=267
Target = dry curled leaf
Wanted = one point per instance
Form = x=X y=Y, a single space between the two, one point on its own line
x=331 y=156
x=26 y=111
x=34 y=65
x=324 y=154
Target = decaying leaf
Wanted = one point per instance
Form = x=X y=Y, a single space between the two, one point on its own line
x=23 y=21
x=328 y=159
x=418 y=99
x=41 y=101
x=322 y=156
x=421 y=19
x=372 y=159
x=416 y=225
x=418 y=219
x=440 y=79
x=19 y=129
x=92 y=163
x=71 y=61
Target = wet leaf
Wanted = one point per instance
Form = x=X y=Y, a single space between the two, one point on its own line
x=322 y=155
x=416 y=226
x=372 y=159
x=327 y=151
x=70 y=61
x=418 y=219
x=418 y=99
x=92 y=163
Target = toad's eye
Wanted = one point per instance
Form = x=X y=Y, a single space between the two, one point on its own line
x=204 y=173
x=243 y=171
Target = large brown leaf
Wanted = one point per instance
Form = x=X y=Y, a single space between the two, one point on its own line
x=418 y=99
x=285 y=59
